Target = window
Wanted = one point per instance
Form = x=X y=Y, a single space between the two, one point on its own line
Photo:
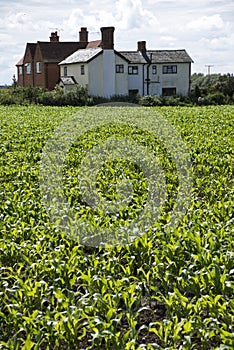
x=65 y=71
x=170 y=69
x=169 y=91
x=28 y=68
x=82 y=69
x=133 y=70
x=119 y=68
x=154 y=69
x=38 y=67
x=133 y=93
x=20 y=70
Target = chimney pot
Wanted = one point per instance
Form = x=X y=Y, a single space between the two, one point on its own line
x=107 y=38
x=54 y=37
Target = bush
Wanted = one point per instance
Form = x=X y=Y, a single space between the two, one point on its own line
x=58 y=97
x=151 y=100
x=215 y=99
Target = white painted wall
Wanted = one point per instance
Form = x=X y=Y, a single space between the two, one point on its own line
x=158 y=81
x=102 y=80
x=135 y=81
x=179 y=80
x=108 y=73
x=75 y=71
x=121 y=79
x=95 y=75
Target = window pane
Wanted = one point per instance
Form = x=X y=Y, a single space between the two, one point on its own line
x=38 y=67
x=133 y=70
x=119 y=68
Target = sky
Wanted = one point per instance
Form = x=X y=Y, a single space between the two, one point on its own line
x=204 y=28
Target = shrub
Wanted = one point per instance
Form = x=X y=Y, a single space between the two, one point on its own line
x=217 y=98
x=151 y=100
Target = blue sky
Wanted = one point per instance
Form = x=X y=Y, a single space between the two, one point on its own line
x=204 y=28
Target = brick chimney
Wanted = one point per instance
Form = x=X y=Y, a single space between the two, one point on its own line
x=54 y=37
x=107 y=38
x=141 y=46
x=83 y=34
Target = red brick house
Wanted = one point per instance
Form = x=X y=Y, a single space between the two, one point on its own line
x=39 y=66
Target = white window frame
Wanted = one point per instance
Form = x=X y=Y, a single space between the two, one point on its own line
x=38 y=67
x=28 y=68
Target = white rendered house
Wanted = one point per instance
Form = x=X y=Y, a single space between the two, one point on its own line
x=107 y=72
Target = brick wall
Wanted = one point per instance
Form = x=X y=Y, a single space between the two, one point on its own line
x=39 y=78
x=20 y=77
x=52 y=75
x=28 y=78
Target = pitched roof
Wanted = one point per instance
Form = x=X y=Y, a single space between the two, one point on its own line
x=157 y=56
x=21 y=62
x=169 y=56
x=82 y=55
x=92 y=44
x=68 y=80
x=32 y=48
x=58 y=51
x=133 y=56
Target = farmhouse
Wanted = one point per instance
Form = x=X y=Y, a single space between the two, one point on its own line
x=103 y=70
x=39 y=65
x=107 y=72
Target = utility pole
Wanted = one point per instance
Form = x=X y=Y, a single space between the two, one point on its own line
x=209 y=66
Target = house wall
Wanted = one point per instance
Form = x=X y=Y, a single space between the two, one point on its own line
x=179 y=80
x=75 y=71
x=20 y=79
x=28 y=78
x=95 y=75
x=108 y=73
x=39 y=78
x=135 y=81
x=51 y=75
x=102 y=80
x=121 y=79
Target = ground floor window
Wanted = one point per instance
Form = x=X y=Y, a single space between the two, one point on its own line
x=133 y=93
x=169 y=91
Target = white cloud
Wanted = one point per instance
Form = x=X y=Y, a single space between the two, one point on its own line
x=203 y=27
x=207 y=23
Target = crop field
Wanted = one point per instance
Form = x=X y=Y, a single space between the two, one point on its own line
x=116 y=228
